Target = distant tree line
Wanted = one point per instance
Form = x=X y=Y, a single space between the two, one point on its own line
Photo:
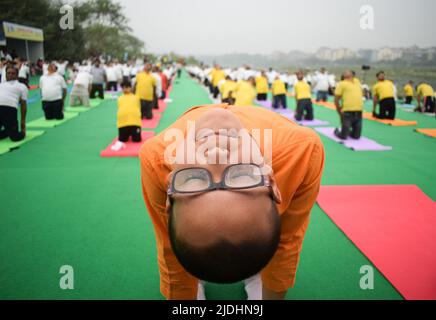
x=100 y=28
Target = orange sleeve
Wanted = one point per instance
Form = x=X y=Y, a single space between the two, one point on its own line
x=280 y=273
x=175 y=282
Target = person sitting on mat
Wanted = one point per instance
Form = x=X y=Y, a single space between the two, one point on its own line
x=128 y=118
x=303 y=97
x=53 y=92
x=279 y=94
x=409 y=92
x=82 y=86
x=262 y=86
x=245 y=92
x=145 y=88
x=227 y=91
x=384 y=94
x=350 y=112
x=244 y=218
x=12 y=94
x=425 y=93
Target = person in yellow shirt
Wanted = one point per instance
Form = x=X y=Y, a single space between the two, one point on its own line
x=227 y=91
x=279 y=94
x=384 y=94
x=224 y=223
x=217 y=76
x=245 y=92
x=145 y=89
x=128 y=117
x=409 y=92
x=262 y=87
x=350 y=111
x=303 y=97
x=425 y=94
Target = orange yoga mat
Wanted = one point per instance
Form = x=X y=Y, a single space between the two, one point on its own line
x=395 y=227
x=394 y=123
x=427 y=132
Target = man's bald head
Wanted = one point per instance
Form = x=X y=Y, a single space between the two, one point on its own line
x=225 y=236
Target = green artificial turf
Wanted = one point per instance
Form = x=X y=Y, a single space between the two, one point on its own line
x=64 y=205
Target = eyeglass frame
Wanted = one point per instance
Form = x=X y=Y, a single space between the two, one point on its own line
x=214 y=186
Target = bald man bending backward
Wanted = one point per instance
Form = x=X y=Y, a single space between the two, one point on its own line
x=229 y=190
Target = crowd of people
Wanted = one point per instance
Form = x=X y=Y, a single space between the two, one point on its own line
x=245 y=87
x=141 y=83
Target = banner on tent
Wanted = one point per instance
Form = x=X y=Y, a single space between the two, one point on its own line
x=17 y=31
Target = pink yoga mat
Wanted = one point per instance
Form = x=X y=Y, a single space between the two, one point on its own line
x=162 y=106
x=153 y=123
x=363 y=144
x=131 y=150
x=395 y=227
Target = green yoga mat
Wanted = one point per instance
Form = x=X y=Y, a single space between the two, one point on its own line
x=42 y=123
x=79 y=109
x=7 y=145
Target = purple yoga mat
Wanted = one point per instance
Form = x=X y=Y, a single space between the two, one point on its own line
x=291 y=115
x=363 y=144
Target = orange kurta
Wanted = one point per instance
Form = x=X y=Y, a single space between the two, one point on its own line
x=298 y=162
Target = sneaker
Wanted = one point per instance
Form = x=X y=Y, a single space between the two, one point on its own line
x=118 y=146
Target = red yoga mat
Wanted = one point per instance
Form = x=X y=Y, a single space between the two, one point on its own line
x=162 y=106
x=395 y=227
x=153 y=123
x=131 y=150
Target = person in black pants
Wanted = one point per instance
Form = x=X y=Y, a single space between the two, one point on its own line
x=12 y=94
x=351 y=111
x=99 y=78
x=384 y=95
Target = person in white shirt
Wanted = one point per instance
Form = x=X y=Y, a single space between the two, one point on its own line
x=24 y=73
x=322 y=84
x=112 y=77
x=158 y=91
x=3 y=65
x=81 y=88
x=62 y=67
x=53 y=91
x=12 y=95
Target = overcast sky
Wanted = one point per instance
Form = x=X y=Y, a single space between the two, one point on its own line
x=264 y=26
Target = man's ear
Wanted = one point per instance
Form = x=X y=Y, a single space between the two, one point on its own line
x=276 y=192
x=168 y=206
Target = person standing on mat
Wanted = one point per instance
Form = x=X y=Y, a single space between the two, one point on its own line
x=322 y=84
x=279 y=94
x=351 y=111
x=145 y=89
x=240 y=219
x=245 y=92
x=12 y=95
x=99 y=78
x=303 y=97
x=426 y=98
x=53 y=92
x=384 y=95
x=23 y=72
x=128 y=118
x=262 y=87
x=409 y=92
x=111 y=77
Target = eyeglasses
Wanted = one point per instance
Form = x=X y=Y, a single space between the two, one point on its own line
x=199 y=180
